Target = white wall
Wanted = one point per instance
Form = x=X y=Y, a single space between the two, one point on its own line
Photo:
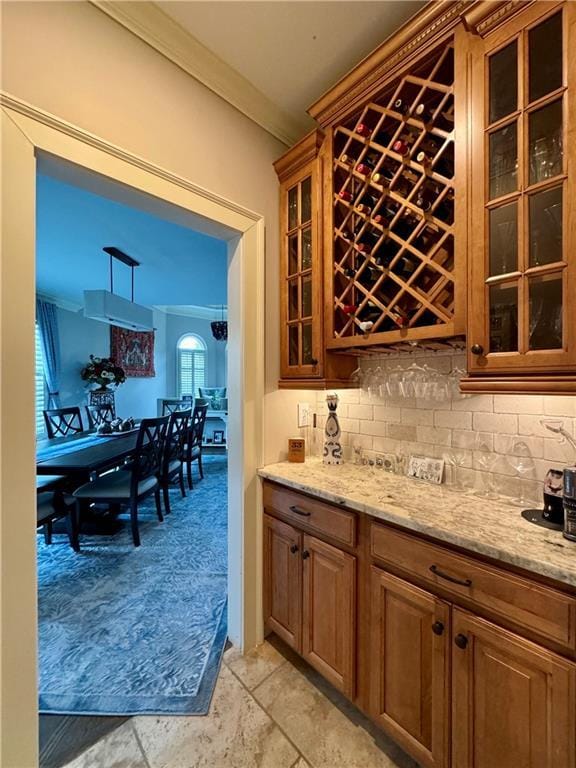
x=74 y=61
x=176 y=327
x=81 y=337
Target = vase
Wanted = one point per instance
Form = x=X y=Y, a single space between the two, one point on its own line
x=332 y=432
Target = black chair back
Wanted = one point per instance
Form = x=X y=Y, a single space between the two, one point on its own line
x=61 y=422
x=170 y=405
x=175 y=438
x=99 y=414
x=147 y=458
x=197 y=426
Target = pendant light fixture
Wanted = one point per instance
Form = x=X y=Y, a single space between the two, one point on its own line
x=220 y=327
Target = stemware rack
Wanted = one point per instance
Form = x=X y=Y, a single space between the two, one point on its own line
x=393 y=216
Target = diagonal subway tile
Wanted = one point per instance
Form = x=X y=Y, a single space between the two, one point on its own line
x=236 y=733
x=325 y=735
x=120 y=749
x=255 y=666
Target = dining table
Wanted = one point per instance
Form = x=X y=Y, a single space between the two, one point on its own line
x=83 y=455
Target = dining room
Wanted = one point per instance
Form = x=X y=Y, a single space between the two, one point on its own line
x=131 y=421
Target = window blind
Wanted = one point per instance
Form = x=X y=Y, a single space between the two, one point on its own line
x=40 y=386
x=191 y=371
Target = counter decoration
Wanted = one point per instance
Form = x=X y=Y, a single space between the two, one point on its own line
x=332 y=432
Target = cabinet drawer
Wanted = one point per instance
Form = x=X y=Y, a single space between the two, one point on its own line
x=548 y=612
x=311 y=514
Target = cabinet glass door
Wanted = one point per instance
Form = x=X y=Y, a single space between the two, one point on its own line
x=526 y=288
x=300 y=278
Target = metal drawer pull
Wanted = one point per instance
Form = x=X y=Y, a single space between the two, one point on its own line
x=298 y=511
x=463 y=582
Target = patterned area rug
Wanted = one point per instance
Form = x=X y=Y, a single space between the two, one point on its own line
x=126 y=630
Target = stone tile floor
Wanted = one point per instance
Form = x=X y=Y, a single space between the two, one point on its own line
x=269 y=710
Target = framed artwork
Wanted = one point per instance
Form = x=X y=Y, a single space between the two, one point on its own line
x=133 y=351
x=218 y=437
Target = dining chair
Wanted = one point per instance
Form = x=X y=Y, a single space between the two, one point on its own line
x=173 y=454
x=99 y=414
x=61 y=422
x=193 y=450
x=170 y=405
x=52 y=503
x=137 y=480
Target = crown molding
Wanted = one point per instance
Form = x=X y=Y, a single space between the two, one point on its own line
x=484 y=18
x=58 y=301
x=303 y=152
x=147 y=21
x=432 y=23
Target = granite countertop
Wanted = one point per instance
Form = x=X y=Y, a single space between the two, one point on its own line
x=492 y=528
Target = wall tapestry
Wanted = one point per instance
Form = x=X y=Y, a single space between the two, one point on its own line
x=133 y=351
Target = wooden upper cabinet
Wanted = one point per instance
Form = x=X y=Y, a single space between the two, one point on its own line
x=410 y=662
x=522 y=271
x=302 y=358
x=329 y=612
x=512 y=700
x=283 y=581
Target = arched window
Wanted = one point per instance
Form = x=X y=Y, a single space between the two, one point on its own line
x=191 y=355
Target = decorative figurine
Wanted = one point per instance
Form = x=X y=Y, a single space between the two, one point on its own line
x=332 y=447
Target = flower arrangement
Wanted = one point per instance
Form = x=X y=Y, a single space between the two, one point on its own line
x=102 y=371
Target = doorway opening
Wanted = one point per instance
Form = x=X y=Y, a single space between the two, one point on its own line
x=32 y=138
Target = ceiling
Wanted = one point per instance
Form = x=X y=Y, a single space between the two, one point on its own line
x=179 y=266
x=292 y=51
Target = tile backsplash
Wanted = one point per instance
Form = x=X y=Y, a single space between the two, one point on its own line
x=449 y=428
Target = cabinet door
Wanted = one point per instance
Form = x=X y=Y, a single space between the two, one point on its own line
x=409 y=659
x=301 y=275
x=523 y=265
x=513 y=701
x=283 y=581
x=329 y=613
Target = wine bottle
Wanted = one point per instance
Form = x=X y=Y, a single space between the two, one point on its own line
x=368 y=276
x=386 y=252
x=426 y=196
x=405 y=266
x=401 y=107
x=422 y=112
x=346 y=195
x=367 y=241
x=349 y=309
x=445 y=209
x=369 y=311
x=367 y=164
x=385 y=173
x=401 y=147
x=405 y=224
x=368 y=203
x=363 y=130
x=385 y=215
x=366 y=326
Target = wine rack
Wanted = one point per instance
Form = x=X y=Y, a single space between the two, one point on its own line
x=393 y=212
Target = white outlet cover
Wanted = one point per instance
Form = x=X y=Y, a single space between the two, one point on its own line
x=303 y=414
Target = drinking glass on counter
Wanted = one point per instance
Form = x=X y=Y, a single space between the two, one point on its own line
x=521 y=461
x=486 y=460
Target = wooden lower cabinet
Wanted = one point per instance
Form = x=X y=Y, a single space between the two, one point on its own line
x=410 y=662
x=283 y=581
x=453 y=689
x=329 y=612
x=310 y=600
x=513 y=701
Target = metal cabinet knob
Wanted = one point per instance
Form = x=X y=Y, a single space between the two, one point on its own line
x=294 y=548
x=305 y=554
x=461 y=641
x=314 y=361
x=438 y=628
x=477 y=349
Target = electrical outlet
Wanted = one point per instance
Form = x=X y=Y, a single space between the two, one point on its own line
x=304 y=414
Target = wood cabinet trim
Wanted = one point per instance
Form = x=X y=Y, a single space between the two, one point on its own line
x=298 y=156
x=548 y=612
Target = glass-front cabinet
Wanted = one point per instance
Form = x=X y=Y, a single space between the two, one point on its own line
x=522 y=267
x=303 y=360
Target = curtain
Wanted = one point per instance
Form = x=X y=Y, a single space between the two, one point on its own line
x=50 y=343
